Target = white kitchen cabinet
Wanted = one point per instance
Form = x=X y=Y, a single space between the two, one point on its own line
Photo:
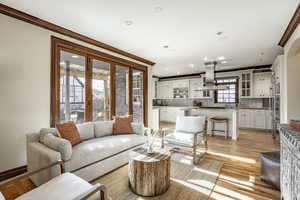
x=163 y=114
x=181 y=83
x=164 y=90
x=259 y=119
x=256 y=119
x=268 y=119
x=261 y=85
x=195 y=85
x=246 y=84
x=245 y=118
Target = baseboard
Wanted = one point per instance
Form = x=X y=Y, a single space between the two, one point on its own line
x=12 y=172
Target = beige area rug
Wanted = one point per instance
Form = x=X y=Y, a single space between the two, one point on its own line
x=188 y=181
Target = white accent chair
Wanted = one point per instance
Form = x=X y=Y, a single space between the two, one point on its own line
x=190 y=131
x=66 y=186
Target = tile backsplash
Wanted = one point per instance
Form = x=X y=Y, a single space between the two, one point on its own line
x=248 y=103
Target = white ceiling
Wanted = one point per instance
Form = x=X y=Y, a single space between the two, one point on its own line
x=188 y=27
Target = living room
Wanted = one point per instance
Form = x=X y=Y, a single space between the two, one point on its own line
x=149 y=100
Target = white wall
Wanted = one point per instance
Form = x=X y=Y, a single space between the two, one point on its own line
x=291 y=83
x=293 y=87
x=25 y=86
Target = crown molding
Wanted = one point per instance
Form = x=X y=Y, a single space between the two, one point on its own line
x=290 y=28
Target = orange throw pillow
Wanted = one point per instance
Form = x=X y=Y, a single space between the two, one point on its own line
x=122 y=125
x=69 y=132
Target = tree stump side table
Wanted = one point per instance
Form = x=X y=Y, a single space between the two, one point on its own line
x=149 y=174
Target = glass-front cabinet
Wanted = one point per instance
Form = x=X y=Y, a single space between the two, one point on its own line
x=246 y=84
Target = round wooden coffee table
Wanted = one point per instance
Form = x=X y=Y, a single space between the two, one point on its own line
x=149 y=174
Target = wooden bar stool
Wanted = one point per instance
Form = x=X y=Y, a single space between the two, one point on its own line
x=214 y=120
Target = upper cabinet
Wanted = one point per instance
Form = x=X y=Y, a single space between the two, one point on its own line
x=195 y=86
x=168 y=89
x=164 y=90
x=252 y=84
x=255 y=85
x=246 y=84
x=262 y=85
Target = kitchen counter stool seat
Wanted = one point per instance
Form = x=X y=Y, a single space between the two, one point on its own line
x=214 y=120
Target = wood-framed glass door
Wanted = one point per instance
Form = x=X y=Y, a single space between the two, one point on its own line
x=88 y=85
x=99 y=94
x=72 y=86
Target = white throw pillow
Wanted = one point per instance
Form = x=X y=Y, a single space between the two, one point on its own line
x=86 y=130
x=103 y=128
x=46 y=131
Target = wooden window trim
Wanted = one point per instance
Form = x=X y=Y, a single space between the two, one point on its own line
x=57 y=45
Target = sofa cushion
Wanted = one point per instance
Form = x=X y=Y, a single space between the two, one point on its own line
x=86 y=130
x=69 y=132
x=138 y=128
x=183 y=139
x=46 y=131
x=122 y=125
x=65 y=186
x=97 y=149
x=103 y=128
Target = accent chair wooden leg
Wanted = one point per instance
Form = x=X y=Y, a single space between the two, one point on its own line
x=195 y=149
x=226 y=130
x=103 y=193
x=212 y=128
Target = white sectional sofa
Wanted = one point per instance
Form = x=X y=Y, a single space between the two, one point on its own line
x=99 y=153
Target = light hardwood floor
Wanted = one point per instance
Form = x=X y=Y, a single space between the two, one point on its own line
x=240 y=175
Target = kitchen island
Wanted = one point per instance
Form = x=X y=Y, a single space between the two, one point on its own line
x=229 y=113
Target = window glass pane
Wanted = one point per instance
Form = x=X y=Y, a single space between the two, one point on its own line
x=228 y=95
x=138 y=104
x=72 y=87
x=122 y=90
x=101 y=90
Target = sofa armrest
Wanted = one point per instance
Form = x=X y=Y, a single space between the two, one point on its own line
x=38 y=156
x=59 y=144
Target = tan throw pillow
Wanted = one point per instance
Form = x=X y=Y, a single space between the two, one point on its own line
x=122 y=125
x=69 y=132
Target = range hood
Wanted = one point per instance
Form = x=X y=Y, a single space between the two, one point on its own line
x=209 y=82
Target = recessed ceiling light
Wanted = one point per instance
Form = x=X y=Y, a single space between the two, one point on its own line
x=165 y=46
x=128 y=22
x=74 y=56
x=178 y=72
x=191 y=65
x=221 y=58
x=219 y=33
x=224 y=62
x=158 y=9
